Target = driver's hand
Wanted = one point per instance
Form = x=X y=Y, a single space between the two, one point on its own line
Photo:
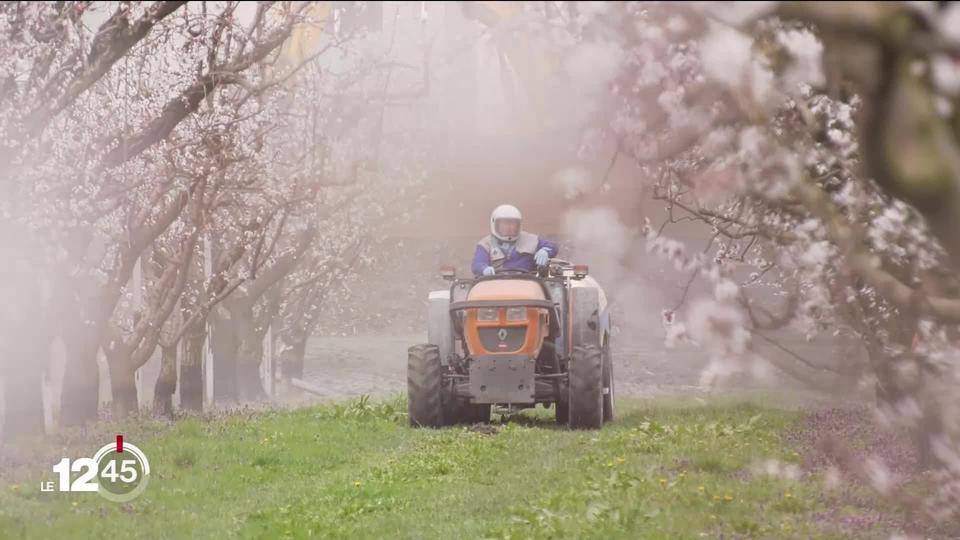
x=541 y=257
x=489 y=271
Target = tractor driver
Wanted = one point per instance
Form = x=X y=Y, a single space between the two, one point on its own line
x=507 y=247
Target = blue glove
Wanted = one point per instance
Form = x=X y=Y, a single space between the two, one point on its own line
x=541 y=257
x=489 y=271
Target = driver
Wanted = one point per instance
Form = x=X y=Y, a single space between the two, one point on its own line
x=509 y=248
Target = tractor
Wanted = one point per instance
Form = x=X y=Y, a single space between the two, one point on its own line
x=514 y=340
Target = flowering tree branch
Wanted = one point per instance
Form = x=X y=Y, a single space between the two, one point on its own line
x=113 y=40
x=850 y=240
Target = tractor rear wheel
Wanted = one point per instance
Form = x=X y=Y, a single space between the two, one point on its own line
x=586 y=387
x=462 y=412
x=608 y=395
x=455 y=411
x=562 y=406
x=479 y=414
x=424 y=386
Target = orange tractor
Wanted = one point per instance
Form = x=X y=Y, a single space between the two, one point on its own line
x=514 y=339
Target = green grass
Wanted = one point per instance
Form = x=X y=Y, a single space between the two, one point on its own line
x=355 y=470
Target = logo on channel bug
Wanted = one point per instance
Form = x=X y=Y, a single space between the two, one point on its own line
x=119 y=472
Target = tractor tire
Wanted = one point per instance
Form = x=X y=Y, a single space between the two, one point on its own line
x=562 y=407
x=462 y=412
x=439 y=324
x=585 y=317
x=586 y=387
x=424 y=386
x=479 y=414
x=608 y=385
x=455 y=412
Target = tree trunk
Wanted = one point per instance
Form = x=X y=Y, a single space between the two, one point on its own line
x=936 y=394
x=929 y=426
x=888 y=391
x=23 y=407
x=249 y=353
x=891 y=389
x=249 y=358
x=191 y=368
x=22 y=363
x=124 y=387
x=291 y=362
x=80 y=400
x=166 y=383
x=224 y=345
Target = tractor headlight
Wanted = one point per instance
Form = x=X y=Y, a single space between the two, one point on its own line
x=487 y=314
x=517 y=314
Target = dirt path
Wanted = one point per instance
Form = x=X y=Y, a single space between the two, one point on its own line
x=375 y=365
x=378 y=317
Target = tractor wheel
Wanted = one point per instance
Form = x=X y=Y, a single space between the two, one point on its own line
x=462 y=412
x=608 y=394
x=479 y=414
x=455 y=412
x=562 y=406
x=586 y=387
x=424 y=386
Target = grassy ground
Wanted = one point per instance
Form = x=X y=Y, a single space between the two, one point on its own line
x=664 y=469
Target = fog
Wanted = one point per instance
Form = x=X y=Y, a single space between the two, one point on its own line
x=473 y=115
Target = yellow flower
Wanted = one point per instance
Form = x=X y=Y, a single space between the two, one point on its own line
x=699 y=488
x=727 y=498
x=74 y=503
x=663 y=481
x=788 y=495
x=620 y=460
x=716 y=497
x=356 y=483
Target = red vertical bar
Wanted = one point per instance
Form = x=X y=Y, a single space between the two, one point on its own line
x=119 y=443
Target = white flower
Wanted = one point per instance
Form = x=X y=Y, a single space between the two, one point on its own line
x=832 y=479
x=718 y=142
x=817 y=254
x=946 y=74
x=762 y=84
x=792 y=472
x=726 y=54
x=726 y=290
x=807 y=52
x=752 y=143
x=838 y=137
x=949 y=22
x=572 y=182
x=879 y=475
x=592 y=66
x=677 y=24
x=676 y=334
x=652 y=73
x=718 y=327
x=739 y=12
